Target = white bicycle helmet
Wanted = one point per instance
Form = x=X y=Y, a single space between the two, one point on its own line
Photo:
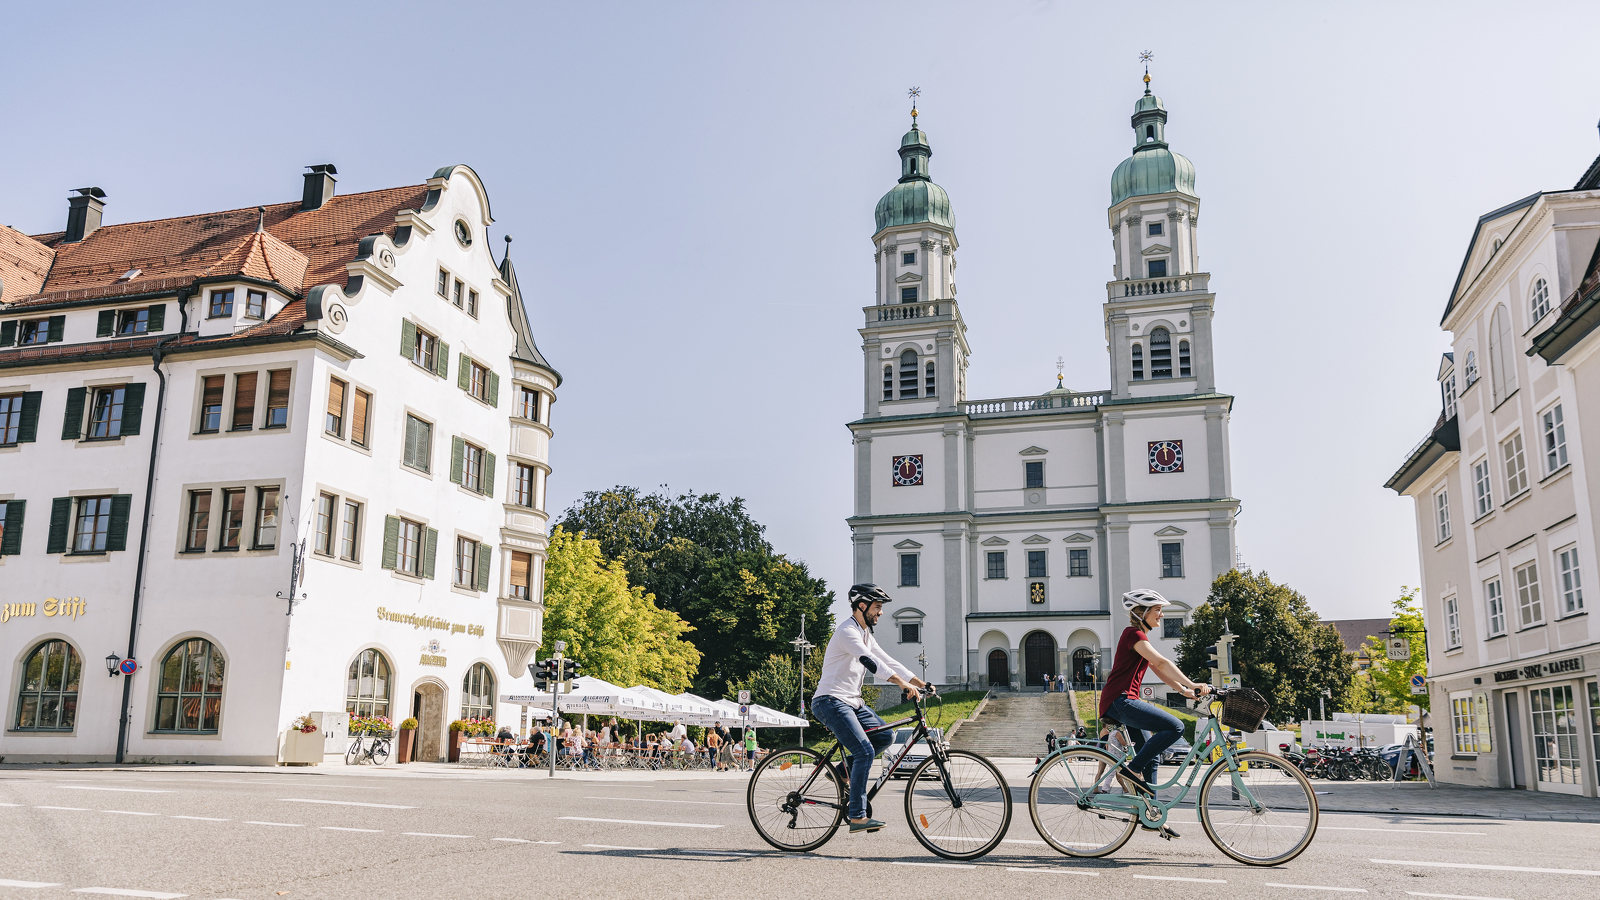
x=1143 y=597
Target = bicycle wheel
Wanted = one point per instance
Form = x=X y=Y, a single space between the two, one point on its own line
x=352 y=755
x=1061 y=799
x=784 y=817
x=380 y=751
x=967 y=820
x=1264 y=813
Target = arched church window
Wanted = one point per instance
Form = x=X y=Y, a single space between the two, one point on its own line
x=1183 y=359
x=1472 y=368
x=1138 y=362
x=1149 y=133
x=1502 y=369
x=908 y=375
x=1160 y=354
x=1541 y=299
x=927 y=387
x=888 y=382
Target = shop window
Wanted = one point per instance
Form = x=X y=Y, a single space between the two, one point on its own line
x=1078 y=563
x=1555 y=734
x=1463 y=725
x=1594 y=716
x=367 y=688
x=477 y=693
x=48 y=697
x=190 y=696
x=521 y=575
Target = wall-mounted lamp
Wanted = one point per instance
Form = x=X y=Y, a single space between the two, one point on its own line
x=111 y=664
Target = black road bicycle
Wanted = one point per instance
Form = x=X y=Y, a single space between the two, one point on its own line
x=957 y=803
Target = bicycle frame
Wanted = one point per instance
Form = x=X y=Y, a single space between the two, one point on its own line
x=936 y=748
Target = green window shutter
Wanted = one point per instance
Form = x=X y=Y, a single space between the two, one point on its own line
x=28 y=428
x=442 y=360
x=60 y=521
x=132 y=408
x=494 y=388
x=430 y=548
x=117 y=533
x=487 y=481
x=108 y=323
x=483 y=567
x=464 y=373
x=72 y=423
x=12 y=544
x=391 y=542
x=8 y=333
x=58 y=328
x=409 y=456
x=158 y=317
x=408 y=338
x=458 y=451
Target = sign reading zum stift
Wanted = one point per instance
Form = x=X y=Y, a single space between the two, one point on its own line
x=71 y=607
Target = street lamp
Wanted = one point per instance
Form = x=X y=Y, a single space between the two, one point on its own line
x=111 y=664
x=801 y=645
x=922 y=660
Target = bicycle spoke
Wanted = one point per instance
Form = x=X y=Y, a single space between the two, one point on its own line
x=1060 y=801
x=1260 y=812
x=966 y=819
x=781 y=813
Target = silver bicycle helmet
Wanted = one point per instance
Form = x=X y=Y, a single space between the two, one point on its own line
x=1143 y=597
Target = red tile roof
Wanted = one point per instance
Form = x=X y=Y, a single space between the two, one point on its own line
x=24 y=263
x=265 y=257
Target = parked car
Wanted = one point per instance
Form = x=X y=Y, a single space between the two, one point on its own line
x=914 y=758
x=1176 y=752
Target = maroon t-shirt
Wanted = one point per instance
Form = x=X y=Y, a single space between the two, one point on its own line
x=1127 y=670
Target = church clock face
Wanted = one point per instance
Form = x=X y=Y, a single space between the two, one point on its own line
x=907 y=470
x=1166 y=456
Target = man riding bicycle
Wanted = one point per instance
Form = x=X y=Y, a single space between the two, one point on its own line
x=852 y=652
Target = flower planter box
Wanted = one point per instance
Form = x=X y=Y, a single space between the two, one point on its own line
x=297 y=749
x=455 y=745
x=403 y=749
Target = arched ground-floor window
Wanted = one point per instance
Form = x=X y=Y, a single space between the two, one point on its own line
x=477 y=693
x=190 y=693
x=368 y=688
x=48 y=697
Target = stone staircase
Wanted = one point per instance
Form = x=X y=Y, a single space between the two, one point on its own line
x=1014 y=725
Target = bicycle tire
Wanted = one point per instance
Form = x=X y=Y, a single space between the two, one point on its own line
x=978 y=785
x=380 y=751
x=1053 y=804
x=1278 y=798
x=352 y=754
x=775 y=783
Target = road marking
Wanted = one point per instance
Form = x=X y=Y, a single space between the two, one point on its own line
x=125 y=812
x=1317 y=887
x=615 y=847
x=639 y=822
x=1395 y=830
x=1180 y=878
x=428 y=834
x=1445 y=865
x=120 y=892
x=935 y=865
x=6 y=882
x=345 y=803
x=202 y=818
x=1453 y=896
x=1054 y=871
x=341 y=828
x=277 y=824
x=68 y=808
x=11 y=804
x=85 y=787
x=513 y=840
x=653 y=800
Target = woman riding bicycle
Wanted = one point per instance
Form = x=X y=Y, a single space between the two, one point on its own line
x=1119 y=701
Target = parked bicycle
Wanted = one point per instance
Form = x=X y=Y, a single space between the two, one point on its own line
x=371 y=748
x=957 y=803
x=1256 y=807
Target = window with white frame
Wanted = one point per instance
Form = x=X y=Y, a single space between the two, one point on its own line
x=1447 y=388
x=1078 y=563
x=909 y=569
x=1463 y=724
x=995 y=564
x=1483 y=494
x=1530 y=610
x=1452 y=623
x=1495 y=606
x=911 y=632
x=1540 y=302
x=1554 y=429
x=1516 y=465
x=1441 y=515
x=1472 y=368
x=1571 y=583
x=466 y=562
x=1172 y=560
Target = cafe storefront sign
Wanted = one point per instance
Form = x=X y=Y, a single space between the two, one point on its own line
x=52 y=607
x=1566 y=666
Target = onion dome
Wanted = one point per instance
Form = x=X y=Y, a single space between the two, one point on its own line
x=1153 y=168
x=915 y=199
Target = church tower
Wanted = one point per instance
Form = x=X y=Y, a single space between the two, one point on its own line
x=1158 y=307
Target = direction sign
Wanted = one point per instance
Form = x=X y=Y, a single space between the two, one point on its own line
x=1398 y=648
x=744 y=698
x=1231 y=682
x=1419 y=684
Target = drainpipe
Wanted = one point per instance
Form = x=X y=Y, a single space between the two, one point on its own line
x=156 y=354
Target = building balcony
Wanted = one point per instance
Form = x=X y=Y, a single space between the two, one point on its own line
x=1021 y=406
x=1193 y=283
x=929 y=311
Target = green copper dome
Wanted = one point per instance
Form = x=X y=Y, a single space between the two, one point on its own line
x=1153 y=168
x=916 y=199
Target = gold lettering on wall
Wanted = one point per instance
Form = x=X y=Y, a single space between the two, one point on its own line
x=71 y=607
x=428 y=660
x=432 y=622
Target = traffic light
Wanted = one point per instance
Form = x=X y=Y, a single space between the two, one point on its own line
x=543 y=673
x=570 y=670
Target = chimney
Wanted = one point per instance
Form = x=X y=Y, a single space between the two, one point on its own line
x=319 y=186
x=84 y=212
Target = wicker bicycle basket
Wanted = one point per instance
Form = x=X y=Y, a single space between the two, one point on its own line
x=1244 y=709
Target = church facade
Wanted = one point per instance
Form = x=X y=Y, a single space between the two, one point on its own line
x=1007 y=529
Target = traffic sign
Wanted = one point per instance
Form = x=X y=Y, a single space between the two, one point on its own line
x=744 y=697
x=128 y=666
x=743 y=709
x=1419 y=684
x=1231 y=682
x=1149 y=692
x=1399 y=648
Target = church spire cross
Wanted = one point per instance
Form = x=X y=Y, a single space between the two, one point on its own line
x=1145 y=58
x=914 y=93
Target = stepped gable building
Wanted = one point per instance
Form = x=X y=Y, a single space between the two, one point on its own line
x=1009 y=528
x=336 y=398
x=1505 y=503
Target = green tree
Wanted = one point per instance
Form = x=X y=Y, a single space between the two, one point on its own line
x=613 y=629
x=1283 y=650
x=1386 y=686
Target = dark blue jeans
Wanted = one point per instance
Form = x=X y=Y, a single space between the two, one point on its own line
x=850 y=726
x=1140 y=717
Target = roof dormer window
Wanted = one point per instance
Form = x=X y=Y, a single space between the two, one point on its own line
x=221 y=304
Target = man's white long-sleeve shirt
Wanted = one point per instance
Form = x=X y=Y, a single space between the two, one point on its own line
x=842 y=671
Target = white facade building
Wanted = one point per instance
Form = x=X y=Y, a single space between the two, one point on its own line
x=1008 y=529
x=187 y=405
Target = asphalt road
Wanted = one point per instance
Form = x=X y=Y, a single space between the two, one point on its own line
x=406 y=832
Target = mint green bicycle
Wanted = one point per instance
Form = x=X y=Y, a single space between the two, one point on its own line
x=1256 y=807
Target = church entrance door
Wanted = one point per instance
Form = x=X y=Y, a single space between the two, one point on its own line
x=999 y=671
x=1039 y=656
x=1083 y=666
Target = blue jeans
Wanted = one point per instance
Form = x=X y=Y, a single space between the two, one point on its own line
x=850 y=726
x=1141 y=717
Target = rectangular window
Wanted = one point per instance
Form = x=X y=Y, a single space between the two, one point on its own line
x=133 y=321
x=528 y=403
x=1154 y=229
x=1495 y=606
x=1516 y=466
x=326 y=503
x=419 y=444
x=1571 y=584
x=232 y=519
x=1530 y=610
x=94 y=524
x=1078 y=563
x=1452 y=623
x=266 y=536
x=409 y=548
x=1555 y=440
x=908 y=295
x=997 y=564
x=1172 y=628
x=360 y=408
x=34 y=332
x=888 y=382
x=472 y=303
x=472 y=468
x=521 y=572
x=1172 y=560
x=334 y=422
x=522 y=486
x=457 y=297
x=444 y=283
x=1138 y=362
x=255 y=304
x=466 y=562
x=908 y=259
x=425 y=354
x=1034 y=472
x=1184 y=370
x=199 y=521
x=350 y=532
x=1158 y=268
x=1480 y=487
x=1448 y=389
x=106 y=420
x=1036 y=564
x=910 y=632
x=10 y=418
x=277 y=399
x=908 y=570
x=1555 y=734
x=221 y=304
x=1441 y=510
x=1463 y=725
x=478 y=384
x=244 y=401
x=211 y=405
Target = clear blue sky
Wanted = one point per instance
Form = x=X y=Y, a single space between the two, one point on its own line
x=691 y=190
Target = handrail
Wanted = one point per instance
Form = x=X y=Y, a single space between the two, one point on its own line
x=1194 y=282
x=896 y=312
x=1036 y=403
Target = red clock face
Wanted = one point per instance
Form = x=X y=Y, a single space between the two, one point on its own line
x=1166 y=456
x=907 y=470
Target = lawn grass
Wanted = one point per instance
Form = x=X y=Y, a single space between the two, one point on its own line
x=949 y=709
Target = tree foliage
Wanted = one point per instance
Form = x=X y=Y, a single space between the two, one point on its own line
x=613 y=629
x=1283 y=650
x=705 y=559
x=1386 y=686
